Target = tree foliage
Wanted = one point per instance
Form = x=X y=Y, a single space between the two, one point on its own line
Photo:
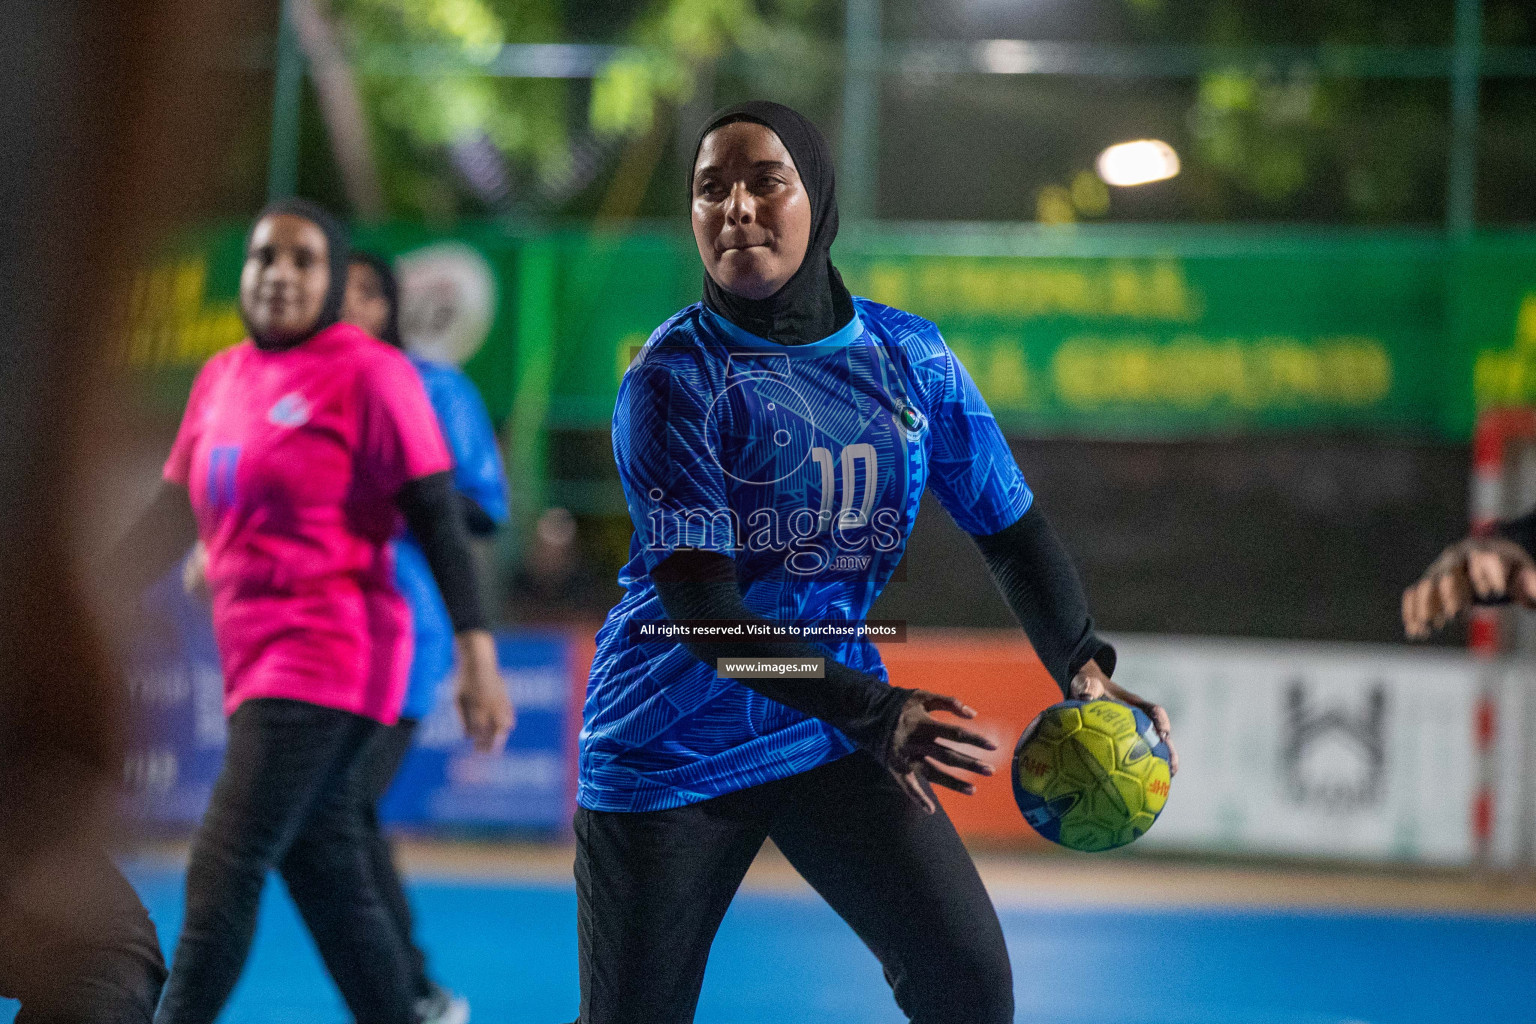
x=422 y=64
x=1265 y=139
x=1292 y=139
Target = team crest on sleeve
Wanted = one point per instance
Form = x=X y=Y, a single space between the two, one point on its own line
x=292 y=410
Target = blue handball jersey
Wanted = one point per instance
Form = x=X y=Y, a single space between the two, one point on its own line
x=805 y=464
x=478 y=474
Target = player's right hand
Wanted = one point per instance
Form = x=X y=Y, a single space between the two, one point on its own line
x=915 y=752
x=1488 y=569
x=482 y=695
x=194 y=572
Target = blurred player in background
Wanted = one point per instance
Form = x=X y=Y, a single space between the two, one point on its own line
x=734 y=427
x=299 y=452
x=372 y=302
x=1475 y=570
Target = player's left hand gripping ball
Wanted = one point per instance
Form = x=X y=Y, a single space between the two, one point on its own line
x=1091 y=775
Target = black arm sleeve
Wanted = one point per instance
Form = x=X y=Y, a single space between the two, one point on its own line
x=703 y=585
x=1041 y=586
x=476 y=520
x=433 y=513
x=157 y=540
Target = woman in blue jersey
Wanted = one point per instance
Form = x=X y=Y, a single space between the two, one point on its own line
x=373 y=303
x=773 y=442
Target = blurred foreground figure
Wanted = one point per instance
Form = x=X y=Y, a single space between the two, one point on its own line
x=98 y=961
x=1475 y=570
x=96 y=123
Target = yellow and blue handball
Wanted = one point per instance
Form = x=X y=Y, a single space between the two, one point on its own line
x=1091 y=775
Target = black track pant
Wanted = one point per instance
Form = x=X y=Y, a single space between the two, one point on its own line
x=287 y=799
x=652 y=887
x=381 y=763
x=99 y=965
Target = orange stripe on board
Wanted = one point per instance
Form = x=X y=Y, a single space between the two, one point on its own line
x=994 y=671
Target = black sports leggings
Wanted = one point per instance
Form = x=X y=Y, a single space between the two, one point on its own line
x=381 y=763
x=287 y=798
x=652 y=887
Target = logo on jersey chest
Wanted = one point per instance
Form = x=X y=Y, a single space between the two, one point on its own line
x=292 y=410
x=910 y=418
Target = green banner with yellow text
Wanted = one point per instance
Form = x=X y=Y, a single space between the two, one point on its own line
x=1088 y=333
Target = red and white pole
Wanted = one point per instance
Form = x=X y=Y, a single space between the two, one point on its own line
x=1491 y=440
x=1485 y=505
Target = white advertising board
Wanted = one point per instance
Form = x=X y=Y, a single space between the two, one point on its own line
x=1339 y=750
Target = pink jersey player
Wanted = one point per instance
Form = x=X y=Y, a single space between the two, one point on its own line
x=301 y=454
x=292 y=459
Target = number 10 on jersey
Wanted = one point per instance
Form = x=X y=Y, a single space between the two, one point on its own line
x=851 y=455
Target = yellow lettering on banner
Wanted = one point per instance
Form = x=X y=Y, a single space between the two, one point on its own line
x=1125 y=298
x=1136 y=373
x=1357 y=370
x=1016 y=287
x=187 y=282
x=889 y=285
x=982 y=288
x=629 y=347
x=1170 y=295
x=1182 y=373
x=170 y=321
x=964 y=349
x=1064 y=291
x=1491 y=378
x=1287 y=370
x=1006 y=383
x=1192 y=373
x=1525 y=322
x=1237 y=378
x=1501 y=378
x=1075 y=371
x=1504 y=377
x=933 y=285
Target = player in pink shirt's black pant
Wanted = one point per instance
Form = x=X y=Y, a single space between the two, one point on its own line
x=301 y=453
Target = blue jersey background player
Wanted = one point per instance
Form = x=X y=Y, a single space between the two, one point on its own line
x=372 y=303
x=481 y=481
x=774 y=442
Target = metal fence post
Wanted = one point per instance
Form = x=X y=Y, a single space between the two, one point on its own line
x=1466 y=69
x=526 y=433
x=861 y=108
x=283 y=155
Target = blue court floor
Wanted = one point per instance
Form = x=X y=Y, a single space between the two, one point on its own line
x=786 y=958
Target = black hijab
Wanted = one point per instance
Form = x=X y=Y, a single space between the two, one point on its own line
x=390 y=286
x=813 y=303
x=338 y=247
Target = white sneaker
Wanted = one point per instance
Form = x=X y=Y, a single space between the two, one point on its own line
x=442 y=1007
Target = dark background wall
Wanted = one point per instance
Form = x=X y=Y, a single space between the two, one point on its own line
x=1300 y=537
x=1295 y=536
